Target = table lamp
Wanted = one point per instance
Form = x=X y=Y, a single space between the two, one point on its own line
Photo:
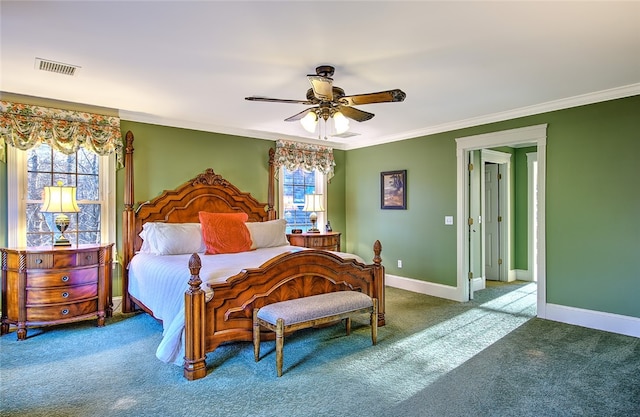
x=313 y=203
x=60 y=199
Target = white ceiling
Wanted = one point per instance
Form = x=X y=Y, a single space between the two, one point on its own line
x=190 y=64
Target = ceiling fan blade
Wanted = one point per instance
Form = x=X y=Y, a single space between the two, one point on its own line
x=297 y=116
x=371 y=98
x=355 y=114
x=322 y=87
x=279 y=100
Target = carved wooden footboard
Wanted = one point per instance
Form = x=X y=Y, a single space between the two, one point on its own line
x=228 y=315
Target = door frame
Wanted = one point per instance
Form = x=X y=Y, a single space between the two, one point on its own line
x=530 y=136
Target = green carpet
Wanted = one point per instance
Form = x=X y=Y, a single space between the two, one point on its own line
x=488 y=357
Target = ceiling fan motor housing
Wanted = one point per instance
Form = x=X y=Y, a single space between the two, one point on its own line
x=325 y=71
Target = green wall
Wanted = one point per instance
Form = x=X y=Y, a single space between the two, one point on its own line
x=592 y=205
x=417 y=235
x=521 y=210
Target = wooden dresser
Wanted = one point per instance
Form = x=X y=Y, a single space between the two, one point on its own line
x=325 y=241
x=52 y=285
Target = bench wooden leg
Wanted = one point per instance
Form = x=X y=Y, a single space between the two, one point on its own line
x=279 y=345
x=347 y=323
x=256 y=335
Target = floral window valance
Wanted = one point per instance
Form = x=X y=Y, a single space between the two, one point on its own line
x=295 y=155
x=25 y=126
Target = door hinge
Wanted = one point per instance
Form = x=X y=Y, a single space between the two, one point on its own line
x=499 y=176
x=470 y=221
x=499 y=261
x=470 y=275
x=499 y=218
x=470 y=167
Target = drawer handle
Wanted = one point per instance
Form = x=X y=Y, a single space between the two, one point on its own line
x=38 y=261
x=65 y=278
x=65 y=295
x=65 y=311
x=88 y=257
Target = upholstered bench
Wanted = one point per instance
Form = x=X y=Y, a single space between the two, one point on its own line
x=291 y=315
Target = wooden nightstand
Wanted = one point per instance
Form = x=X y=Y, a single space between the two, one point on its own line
x=325 y=241
x=52 y=285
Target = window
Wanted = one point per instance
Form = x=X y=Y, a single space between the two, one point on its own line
x=294 y=185
x=93 y=175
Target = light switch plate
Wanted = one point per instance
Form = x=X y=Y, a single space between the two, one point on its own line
x=448 y=220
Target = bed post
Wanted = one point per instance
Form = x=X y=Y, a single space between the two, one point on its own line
x=271 y=193
x=128 y=222
x=379 y=280
x=194 y=307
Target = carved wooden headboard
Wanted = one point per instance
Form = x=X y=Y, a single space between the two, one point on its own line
x=207 y=191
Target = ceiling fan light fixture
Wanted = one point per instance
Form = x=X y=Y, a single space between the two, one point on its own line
x=309 y=121
x=340 y=122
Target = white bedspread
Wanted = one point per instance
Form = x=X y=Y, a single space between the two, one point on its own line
x=161 y=281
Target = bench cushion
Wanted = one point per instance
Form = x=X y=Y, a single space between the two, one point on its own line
x=314 y=307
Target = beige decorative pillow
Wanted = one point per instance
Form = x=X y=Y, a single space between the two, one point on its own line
x=171 y=238
x=268 y=234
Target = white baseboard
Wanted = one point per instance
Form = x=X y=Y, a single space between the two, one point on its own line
x=423 y=287
x=523 y=275
x=478 y=284
x=609 y=322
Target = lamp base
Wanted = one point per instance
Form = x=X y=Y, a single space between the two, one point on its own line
x=314 y=218
x=62 y=241
x=62 y=222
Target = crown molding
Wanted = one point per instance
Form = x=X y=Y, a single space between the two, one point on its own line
x=565 y=103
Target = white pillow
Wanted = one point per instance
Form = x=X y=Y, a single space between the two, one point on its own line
x=268 y=234
x=171 y=238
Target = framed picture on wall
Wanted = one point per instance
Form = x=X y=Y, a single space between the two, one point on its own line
x=393 y=191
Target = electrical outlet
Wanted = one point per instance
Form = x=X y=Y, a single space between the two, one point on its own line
x=399 y=263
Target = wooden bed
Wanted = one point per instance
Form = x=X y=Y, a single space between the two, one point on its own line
x=227 y=316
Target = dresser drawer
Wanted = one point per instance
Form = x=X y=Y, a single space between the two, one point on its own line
x=87 y=258
x=296 y=240
x=61 y=295
x=61 y=259
x=324 y=242
x=61 y=311
x=62 y=278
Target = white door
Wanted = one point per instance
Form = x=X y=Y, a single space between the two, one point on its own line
x=491 y=222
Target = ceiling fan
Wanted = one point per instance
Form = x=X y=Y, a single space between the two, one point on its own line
x=331 y=102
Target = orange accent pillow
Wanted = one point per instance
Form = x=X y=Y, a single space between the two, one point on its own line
x=225 y=232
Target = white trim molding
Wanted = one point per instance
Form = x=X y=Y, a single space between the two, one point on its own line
x=423 y=287
x=598 y=320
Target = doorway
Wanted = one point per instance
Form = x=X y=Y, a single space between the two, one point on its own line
x=495 y=189
x=527 y=136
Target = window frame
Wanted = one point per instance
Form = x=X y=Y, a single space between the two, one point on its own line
x=320 y=188
x=17 y=197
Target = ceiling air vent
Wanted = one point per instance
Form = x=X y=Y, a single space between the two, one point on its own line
x=57 y=67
